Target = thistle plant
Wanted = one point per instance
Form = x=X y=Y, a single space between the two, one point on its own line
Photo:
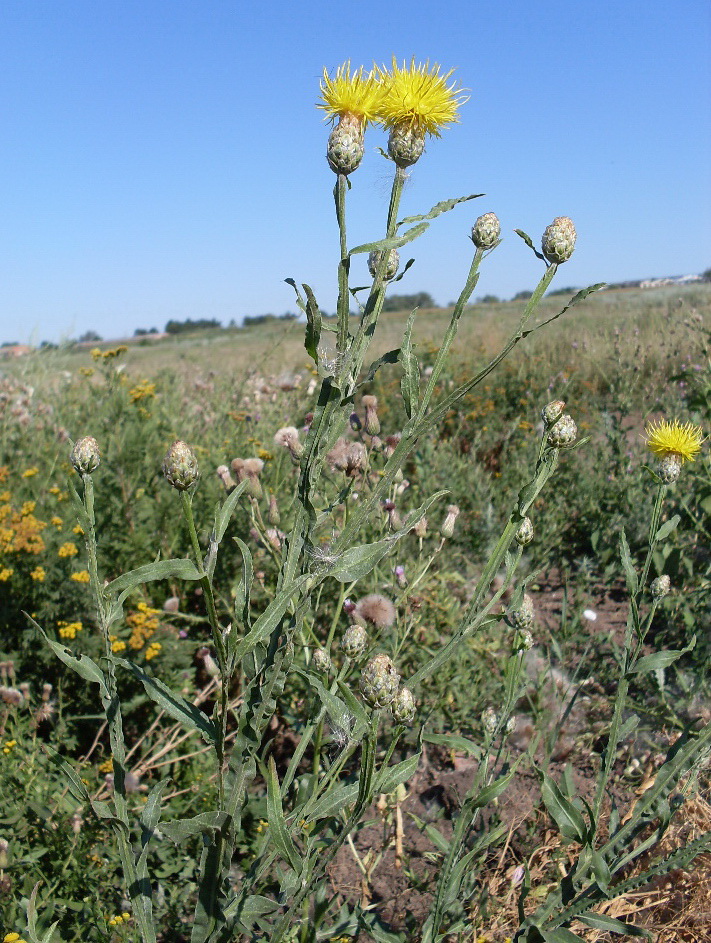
x=360 y=701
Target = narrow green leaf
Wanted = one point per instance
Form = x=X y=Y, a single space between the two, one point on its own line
x=560 y=935
x=568 y=819
x=392 y=356
x=225 y=512
x=244 y=587
x=529 y=242
x=161 y=570
x=277 y=825
x=394 y=242
x=389 y=779
x=410 y=381
x=313 y=325
x=490 y=793
x=667 y=528
x=32 y=930
x=269 y=619
x=611 y=925
x=660 y=659
x=358 y=561
x=626 y=557
x=331 y=803
x=180 y=829
x=600 y=869
x=175 y=705
x=82 y=664
x=444 y=206
x=453 y=742
x=437 y=839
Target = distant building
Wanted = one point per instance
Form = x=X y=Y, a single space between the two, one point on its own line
x=15 y=350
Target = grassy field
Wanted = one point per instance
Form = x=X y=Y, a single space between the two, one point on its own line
x=617 y=360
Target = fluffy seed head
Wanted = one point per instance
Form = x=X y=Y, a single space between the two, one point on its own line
x=674 y=438
x=522 y=617
x=524 y=534
x=85 y=455
x=180 y=466
x=354 y=641
x=552 y=411
x=403 y=706
x=563 y=432
x=559 y=239
x=379 y=681
x=486 y=231
x=377 y=610
x=660 y=586
x=393 y=263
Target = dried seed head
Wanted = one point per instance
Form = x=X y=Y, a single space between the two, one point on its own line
x=180 y=466
x=403 y=706
x=223 y=473
x=447 y=528
x=85 y=456
x=345 y=145
x=552 y=412
x=354 y=641
x=288 y=438
x=321 y=661
x=172 y=604
x=251 y=470
x=563 y=432
x=486 y=231
x=524 y=534
x=523 y=616
x=391 y=268
x=406 y=145
x=372 y=423
x=356 y=458
x=379 y=681
x=660 y=586
x=12 y=696
x=377 y=610
x=669 y=468
x=559 y=239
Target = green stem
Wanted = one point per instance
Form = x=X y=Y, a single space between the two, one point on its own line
x=343 y=305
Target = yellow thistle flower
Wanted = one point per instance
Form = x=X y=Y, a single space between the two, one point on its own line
x=349 y=93
x=417 y=97
x=674 y=438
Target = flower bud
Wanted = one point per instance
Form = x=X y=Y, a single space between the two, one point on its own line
x=523 y=641
x=669 y=468
x=223 y=473
x=559 y=239
x=399 y=572
x=447 y=528
x=288 y=438
x=524 y=533
x=489 y=720
x=486 y=231
x=180 y=466
x=4 y=846
x=522 y=617
x=406 y=145
x=563 y=432
x=85 y=456
x=403 y=706
x=354 y=641
x=372 y=423
x=379 y=681
x=552 y=412
x=321 y=661
x=393 y=263
x=420 y=528
x=273 y=513
x=345 y=145
x=660 y=586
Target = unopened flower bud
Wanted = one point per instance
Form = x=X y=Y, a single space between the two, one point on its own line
x=486 y=231
x=420 y=528
x=523 y=616
x=223 y=473
x=403 y=706
x=552 y=411
x=372 y=423
x=354 y=641
x=523 y=641
x=660 y=586
x=447 y=528
x=669 y=468
x=273 y=512
x=345 y=145
x=400 y=576
x=4 y=846
x=563 y=433
x=321 y=661
x=379 y=681
x=180 y=466
x=251 y=470
x=406 y=145
x=85 y=456
x=489 y=720
x=559 y=239
x=393 y=263
x=77 y=822
x=524 y=533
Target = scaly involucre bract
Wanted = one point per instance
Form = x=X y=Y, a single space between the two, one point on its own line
x=347 y=93
x=674 y=438
x=417 y=96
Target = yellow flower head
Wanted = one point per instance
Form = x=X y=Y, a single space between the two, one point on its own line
x=351 y=94
x=674 y=438
x=418 y=97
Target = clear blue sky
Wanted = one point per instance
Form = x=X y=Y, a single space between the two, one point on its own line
x=164 y=159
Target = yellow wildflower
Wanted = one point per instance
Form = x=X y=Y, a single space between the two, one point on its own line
x=5 y=496
x=118 y=646
x=30 y=472
x=78 y=530
x=86 y=371
x=80 y=576
x=67 y=550
x=55 y=490
x=142 y=390
x=69 y=629
x=153 y=650
x=5 y=574
x=28 y=508
x=418 y=97
x=56 y=521
x=674 y=438
x=354 y=94
x=9 y=746
x=38 y=574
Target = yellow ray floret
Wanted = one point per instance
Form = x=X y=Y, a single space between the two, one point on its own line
x=351 y=94
x=674 y=438
x=418 y=97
